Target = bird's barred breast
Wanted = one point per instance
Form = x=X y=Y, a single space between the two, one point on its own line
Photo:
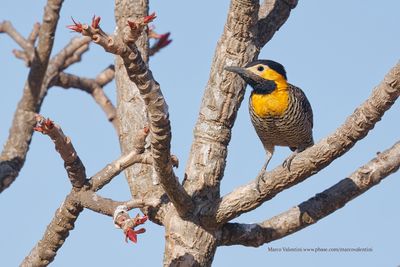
x=292 y=128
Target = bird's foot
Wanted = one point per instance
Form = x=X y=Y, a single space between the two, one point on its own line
x=288 y=161
x=261 y=176
x=260 y=179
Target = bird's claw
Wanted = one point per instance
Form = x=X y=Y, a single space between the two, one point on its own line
x=288 y=161
x=260 y=179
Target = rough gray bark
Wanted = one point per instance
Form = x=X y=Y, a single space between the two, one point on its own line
x=187 y=243
x=195 y=217
x=159 y=124
x=131 y=110
x=56 y=232
x=13 y=156
x=221 y=100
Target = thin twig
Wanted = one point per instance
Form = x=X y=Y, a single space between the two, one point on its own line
x=162 y=40
x=105 y=206
x=21 y=54
x=106 y=76
x=76 y=56
x=94 y=88
x=26 y=45
x=104 y=176
x=32 y=37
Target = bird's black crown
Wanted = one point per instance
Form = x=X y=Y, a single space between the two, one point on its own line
x=271 y=64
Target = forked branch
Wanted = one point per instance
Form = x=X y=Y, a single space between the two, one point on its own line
x=82 y=195
x=26 y=44
x=149 y=89
x=14 y=153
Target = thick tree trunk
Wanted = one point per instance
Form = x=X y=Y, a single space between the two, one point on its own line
x=130 y=106
x=186 y=243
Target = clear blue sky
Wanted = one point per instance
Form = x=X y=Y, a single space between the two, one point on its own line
x=337 y=51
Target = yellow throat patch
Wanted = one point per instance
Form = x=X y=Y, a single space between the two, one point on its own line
x=274 y=103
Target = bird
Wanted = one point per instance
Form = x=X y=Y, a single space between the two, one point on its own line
x=280 y=112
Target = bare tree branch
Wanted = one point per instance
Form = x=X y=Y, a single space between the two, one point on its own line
x=137 y=155
x=34 y=34
x=92 y=87
x=45 y=44
x=106 y=76
x=316 y=208
x=76 y=56
x=105 y=206
x=309 y=162
x=162 y=40
x=72 y=163
x=135 y=203
x=272 y=15
x=26 y=45
x=104 y=176
x=68 y=81
x=56 y=232
x=21 y=54
x=58 y=62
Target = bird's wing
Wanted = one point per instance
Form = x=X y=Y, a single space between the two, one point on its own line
x=304 y=103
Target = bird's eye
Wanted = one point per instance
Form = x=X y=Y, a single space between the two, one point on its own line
x=260 y=68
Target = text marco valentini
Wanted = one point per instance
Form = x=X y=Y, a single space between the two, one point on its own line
x=318 y=249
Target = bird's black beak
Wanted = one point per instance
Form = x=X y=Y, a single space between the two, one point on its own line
x=258 y=83
x=238 y=70
x=246 y=75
